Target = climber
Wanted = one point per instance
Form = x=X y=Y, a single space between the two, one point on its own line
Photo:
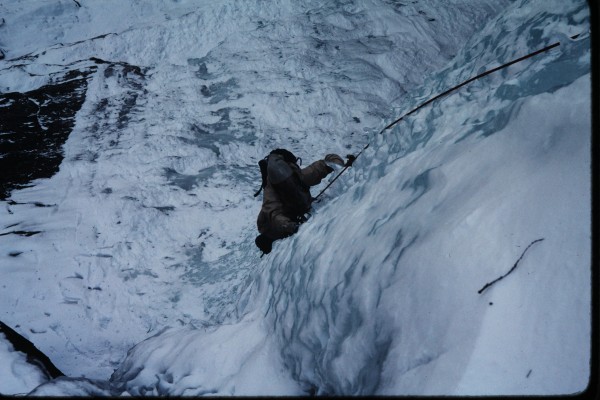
x=287 y=198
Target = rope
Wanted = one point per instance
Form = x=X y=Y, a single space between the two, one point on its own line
x=452 y=89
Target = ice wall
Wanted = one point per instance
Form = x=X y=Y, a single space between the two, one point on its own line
x=378 y=293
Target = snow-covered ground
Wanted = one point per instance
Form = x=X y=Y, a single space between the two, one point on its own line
x=143 y=276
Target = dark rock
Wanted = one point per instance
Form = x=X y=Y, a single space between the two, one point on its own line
x=34 y=127
x=34 y=355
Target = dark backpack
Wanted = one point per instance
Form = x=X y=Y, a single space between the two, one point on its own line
x=281 y=169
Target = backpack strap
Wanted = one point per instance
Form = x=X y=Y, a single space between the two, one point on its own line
x=263 y=173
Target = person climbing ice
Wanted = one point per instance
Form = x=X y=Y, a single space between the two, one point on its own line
x=287 y=198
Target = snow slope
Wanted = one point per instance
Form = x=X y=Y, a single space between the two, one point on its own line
x=18 y=376
x=146 y=234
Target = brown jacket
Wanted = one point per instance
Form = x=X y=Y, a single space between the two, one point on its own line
x=272 y=220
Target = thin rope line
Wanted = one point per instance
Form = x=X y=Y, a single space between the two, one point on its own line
x=549 y=47
x=452 y=89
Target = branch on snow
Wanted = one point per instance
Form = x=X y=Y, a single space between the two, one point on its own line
x=512 y=269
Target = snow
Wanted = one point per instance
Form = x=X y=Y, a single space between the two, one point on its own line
x=234 y=359
x=18 y=376
x=145 y=279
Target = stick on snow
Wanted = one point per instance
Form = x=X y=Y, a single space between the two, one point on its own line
x=512 y=269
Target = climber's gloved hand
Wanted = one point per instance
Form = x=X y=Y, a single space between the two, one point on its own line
x=350 y=160
x=334 y=159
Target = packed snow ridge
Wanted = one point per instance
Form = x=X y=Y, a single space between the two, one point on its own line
x=130 y=133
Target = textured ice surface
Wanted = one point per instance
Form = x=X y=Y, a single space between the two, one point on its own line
x=146 y=232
